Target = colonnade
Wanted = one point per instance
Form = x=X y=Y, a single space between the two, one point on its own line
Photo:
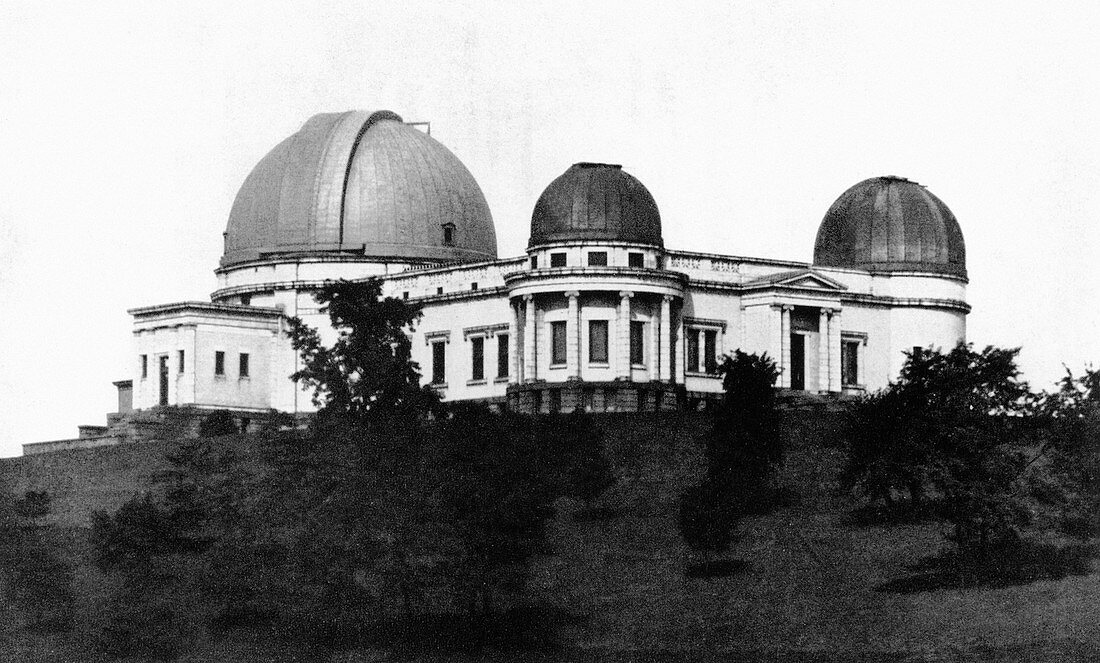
x=662 y=357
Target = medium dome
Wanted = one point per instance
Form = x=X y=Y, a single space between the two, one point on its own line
x=360 y=184
x=889 y=224
x=596 y=201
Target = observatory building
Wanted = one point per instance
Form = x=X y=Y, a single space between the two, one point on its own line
x=598 y=314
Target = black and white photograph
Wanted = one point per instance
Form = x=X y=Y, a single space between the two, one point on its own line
x=361 y=331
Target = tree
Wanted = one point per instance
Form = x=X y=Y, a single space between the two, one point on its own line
x=368 y=372
x=33 y=576
x=953 y=425
x=743 y=449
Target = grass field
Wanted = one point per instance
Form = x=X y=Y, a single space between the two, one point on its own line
x=815 y=585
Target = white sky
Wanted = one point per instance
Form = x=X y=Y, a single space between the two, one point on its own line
x=126 y=128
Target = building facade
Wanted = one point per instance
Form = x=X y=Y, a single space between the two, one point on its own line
x=598 y=313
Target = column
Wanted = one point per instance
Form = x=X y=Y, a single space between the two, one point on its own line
x=775 y=346
x=681 y=348
x=515 y=363
x=573 y=337
x=666 y=338
x=622 y=329
x=654 y=367
x=823 y=336
x=529 y=340
x=834 y=350
x=785 y=355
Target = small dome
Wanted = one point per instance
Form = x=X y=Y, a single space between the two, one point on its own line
x=596 y=201
x=360 y=184
x=889 y=224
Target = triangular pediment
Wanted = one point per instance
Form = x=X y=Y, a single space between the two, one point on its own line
x=804 y=279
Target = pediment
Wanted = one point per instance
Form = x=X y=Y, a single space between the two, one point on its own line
x=802 y=279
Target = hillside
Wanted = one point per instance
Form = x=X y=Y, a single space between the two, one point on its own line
x=814 y=586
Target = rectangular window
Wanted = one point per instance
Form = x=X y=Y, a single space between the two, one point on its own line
x=243 y=365
x=557 y=260
x=534 y=262
x=557 y=342
x=439 y=290
x=219 y=363
x=637 y=342
x=710 y=350
x=477 y=355
x=503 y=360
x=246 y=300
x=849 y=363
x=439 y=362
x=448 y=234
x=473 y=286
x=405 y=295
x=636 y=259
x=179 y=361
x=597 y=259
x=144 y=366
x=692 y=350
x=597 y=341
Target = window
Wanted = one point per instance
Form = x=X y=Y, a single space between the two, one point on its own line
x=219 y=363
x=692 y=350
x=637 y=342
x=557 y=342
x=448 y=234
x=439 y=362
x=179 y=358
x=597 y=259
x=555 y=400
x=439 y=290
x=473 y=286
x=534 y=262
x=849 y=363
x=502 y=356
x=477 y=355
x=405 y=295
x=710 y=349
x=597 y=341
x=246 y=300
x=636 y=259
x=557 y=260
x=144 y=366
x=243 y=365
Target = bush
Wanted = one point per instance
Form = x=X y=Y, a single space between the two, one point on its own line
x=218 y=423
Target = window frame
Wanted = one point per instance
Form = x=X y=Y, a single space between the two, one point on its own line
x=606 y=346
x=439 y=362
x=244 y=369
x=559 y=259
x=637 y=343
x=597 y=258
x=477 y=359
x=559 y=343
x=504 y=356
x=635 y=259
x=219 y=363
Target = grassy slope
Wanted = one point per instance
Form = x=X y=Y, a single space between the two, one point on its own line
x=808 y=593
x=810 y=584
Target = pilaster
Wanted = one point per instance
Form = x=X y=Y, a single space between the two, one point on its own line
x=573 y=337
x=622 y=354
x=530 y=336
x=823 y=336
x=666 y=346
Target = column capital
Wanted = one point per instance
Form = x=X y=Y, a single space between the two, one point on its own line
x=528 y=298
x=667 y=298
x=787 y=307
x=572 y=294
x=626 y=294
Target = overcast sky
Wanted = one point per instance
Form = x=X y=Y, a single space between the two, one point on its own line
x=126 y=129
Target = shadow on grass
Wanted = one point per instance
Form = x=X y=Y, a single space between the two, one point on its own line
x=526 y=629
x=1022 y=564
x=895 y=514
x=719 y=568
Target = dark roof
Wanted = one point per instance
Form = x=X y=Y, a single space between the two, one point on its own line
x=596 y=201
x=362 y=183
x=891 y=224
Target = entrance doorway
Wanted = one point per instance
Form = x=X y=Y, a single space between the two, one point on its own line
x=798 y=362
x=164 y=380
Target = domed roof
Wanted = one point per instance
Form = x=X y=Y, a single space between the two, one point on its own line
x=361 y=184
x=890 y=224
x=596 y=201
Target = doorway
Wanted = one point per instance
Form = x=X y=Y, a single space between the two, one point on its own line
x=798 y=362
x=163 y=380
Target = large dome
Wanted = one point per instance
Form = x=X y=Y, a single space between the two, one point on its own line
x=596 y=201
x=890 y=224
x=360 y=184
